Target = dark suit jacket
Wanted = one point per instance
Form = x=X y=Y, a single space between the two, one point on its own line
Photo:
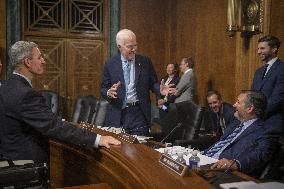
x=228 y=113
x=253 y=148
x=145 y=80
x=26 y=122
x=272 y=86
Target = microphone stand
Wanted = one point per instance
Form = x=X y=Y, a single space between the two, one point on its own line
x=167 y=136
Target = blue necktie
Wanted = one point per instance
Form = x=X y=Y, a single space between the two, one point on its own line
x=218 y=146
x=126 y=73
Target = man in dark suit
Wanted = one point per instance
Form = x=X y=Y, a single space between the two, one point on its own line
x=250 y=145
x=222 y=113
x=127 y=79
x=269 y=79
x=26 y=121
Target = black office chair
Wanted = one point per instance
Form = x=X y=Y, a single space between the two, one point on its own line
x=84 y=110
x=51 y=100
x=275 y=168
x=101 y=113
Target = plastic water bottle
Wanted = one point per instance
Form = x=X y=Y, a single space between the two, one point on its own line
x=180 y=158
x=194 y=160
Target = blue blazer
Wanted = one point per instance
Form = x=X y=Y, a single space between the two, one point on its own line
x=253 y=148
x=228 y=113
x=26 y=122
x=272 y=86
x=145 y=80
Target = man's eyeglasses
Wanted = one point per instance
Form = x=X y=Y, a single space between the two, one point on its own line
x=131 y=47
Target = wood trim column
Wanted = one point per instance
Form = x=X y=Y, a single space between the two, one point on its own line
x=247 y=60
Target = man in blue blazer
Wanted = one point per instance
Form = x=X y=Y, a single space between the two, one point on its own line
x=269 y=79
x=250 y=145
x=26 y=122
x=127 y=79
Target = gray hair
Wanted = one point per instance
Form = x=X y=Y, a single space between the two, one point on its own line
x=21 y=50
x=124 y=34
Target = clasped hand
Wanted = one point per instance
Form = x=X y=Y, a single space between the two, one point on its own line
x=167 y=90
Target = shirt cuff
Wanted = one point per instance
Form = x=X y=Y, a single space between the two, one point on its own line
x=98 y=138
x=238 y=165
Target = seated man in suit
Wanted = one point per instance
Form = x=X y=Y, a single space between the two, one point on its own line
x=222 y=113
x=26 y=121
x=247 y=146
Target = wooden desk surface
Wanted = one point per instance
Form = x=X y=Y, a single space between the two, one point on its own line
x=127 y=166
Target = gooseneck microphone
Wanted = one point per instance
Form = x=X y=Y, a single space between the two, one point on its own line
x=169 y=134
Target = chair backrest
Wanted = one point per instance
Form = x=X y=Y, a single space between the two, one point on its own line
x=84 y=110
x=51 y=100
x=101 y=113
x=93 y=104
x=190 y=116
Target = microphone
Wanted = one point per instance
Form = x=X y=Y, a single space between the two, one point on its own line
x=169 y=134
x=251 y=145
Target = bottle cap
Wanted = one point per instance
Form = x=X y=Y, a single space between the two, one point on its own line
x=194 y=152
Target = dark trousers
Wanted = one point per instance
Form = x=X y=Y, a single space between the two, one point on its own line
x=134 y=122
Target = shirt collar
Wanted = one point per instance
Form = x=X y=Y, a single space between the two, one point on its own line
x=125 y=60
x=187 y=70
x=270 y=62
x=246 y=124
x=29 y=81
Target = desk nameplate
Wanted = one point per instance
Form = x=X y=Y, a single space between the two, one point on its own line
x=173 y=165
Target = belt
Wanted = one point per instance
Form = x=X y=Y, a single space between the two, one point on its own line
x=130 y=104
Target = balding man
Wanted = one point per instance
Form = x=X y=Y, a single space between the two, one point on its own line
x=127 y=80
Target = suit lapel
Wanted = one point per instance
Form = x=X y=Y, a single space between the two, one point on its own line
x=252 y=128
x=138 y=67
x=268 y=74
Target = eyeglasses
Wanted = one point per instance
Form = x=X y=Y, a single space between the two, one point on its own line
x=131 y=47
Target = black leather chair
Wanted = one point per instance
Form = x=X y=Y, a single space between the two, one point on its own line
x=51 y=100
x=198 y=135
x=85 y=109
x=275 y=168
x=101 y=113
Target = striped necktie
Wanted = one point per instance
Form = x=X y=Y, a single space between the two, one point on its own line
x=126 y=72
x=219 y=145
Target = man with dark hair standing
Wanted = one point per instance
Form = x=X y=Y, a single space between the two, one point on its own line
x=250 y=145
x=269 y=79
x=222 y=113
x=26 y=121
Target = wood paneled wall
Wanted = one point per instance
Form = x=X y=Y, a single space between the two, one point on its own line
x=3 y=38
x=172 y=29
x=169 y=30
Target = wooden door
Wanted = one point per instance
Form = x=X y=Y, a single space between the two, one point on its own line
x=72 y=35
